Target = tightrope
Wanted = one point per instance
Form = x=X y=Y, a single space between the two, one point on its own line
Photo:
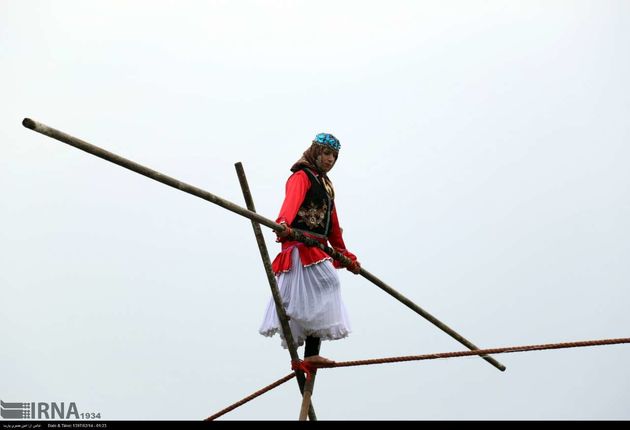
x=251 y=396
x=504 y=350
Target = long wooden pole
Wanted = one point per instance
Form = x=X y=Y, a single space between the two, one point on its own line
x=253 y=216
x=275 y=293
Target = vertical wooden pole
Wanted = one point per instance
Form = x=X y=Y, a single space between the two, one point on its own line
x=306 y=396
x=282 y=316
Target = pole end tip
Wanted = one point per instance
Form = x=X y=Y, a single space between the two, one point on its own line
x=28 y=123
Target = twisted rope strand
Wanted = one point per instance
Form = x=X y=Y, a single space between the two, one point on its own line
x=508 y=349
x=251 y=396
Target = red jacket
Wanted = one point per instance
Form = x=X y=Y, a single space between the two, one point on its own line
x=296 y=188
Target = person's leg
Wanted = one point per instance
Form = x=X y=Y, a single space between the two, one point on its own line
x=312 y=346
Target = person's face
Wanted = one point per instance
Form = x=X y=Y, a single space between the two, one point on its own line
x=326 y=160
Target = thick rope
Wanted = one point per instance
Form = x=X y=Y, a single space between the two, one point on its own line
x=509 y=349
x=251 y=396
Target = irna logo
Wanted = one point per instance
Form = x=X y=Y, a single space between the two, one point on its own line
x=39 y=410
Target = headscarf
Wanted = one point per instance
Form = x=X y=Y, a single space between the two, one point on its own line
x=309 y=160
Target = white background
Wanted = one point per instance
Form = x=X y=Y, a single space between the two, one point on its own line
x=483 y=173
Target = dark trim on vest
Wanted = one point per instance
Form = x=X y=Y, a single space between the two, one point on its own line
x=316 y=208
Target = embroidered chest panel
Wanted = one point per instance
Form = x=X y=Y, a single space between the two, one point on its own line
x=314 y=216
x=314 y=213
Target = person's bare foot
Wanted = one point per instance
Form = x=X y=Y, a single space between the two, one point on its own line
x=318 y=360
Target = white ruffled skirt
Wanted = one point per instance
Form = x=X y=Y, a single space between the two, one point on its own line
x=312 y=299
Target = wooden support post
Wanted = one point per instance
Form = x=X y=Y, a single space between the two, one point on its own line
x=306 y=397
x=253 y=216
x=271 y=278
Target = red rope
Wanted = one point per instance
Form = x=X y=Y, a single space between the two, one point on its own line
x=305 y=366
x=309 y=368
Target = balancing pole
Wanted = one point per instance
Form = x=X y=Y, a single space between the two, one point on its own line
x=253 y=216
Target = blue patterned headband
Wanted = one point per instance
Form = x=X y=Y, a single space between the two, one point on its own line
x=329 y=140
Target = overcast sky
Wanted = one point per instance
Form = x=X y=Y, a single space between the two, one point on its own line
x=483 y=174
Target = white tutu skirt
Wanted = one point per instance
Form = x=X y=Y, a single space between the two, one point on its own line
x=312 y=299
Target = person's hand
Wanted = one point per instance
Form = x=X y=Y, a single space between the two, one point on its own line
x=355 y=267
x=284 y=233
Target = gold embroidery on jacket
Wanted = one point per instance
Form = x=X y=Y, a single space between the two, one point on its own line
x=312 y=215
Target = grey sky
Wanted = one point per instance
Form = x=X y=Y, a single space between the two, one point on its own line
x=483 y=173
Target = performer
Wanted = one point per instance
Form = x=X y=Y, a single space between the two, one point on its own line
x=307 y=279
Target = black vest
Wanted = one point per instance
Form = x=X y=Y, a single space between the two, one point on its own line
x=314 y=213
